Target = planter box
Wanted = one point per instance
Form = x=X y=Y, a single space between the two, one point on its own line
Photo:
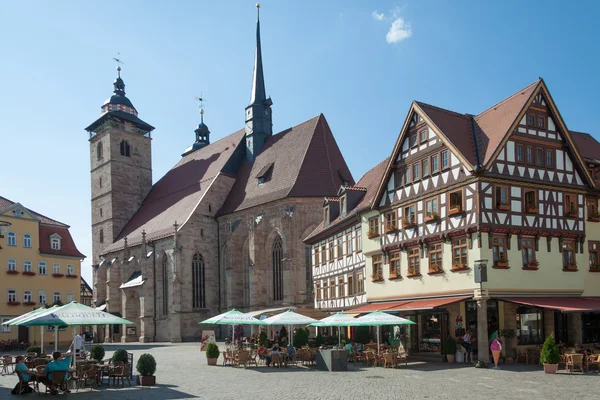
x=13 y=303
x=377 y=279
x=58 y=275
x=455 y=211
x=532 y=210
x=550 y=368
x=432 y=219
x=391 y=229
x=29 y=273
x=394 y=276
x=501 y=265
x=30 y=303
x=212 y=361
x=372 y=235
x=570 y=268
x=147 y=380
x=72 y=276
x=461 y=267
x=408 y=225
x=12 y=272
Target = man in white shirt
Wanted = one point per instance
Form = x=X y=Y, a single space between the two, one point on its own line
x=78 y=343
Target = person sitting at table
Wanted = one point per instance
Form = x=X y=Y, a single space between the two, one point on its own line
x=56 y=365
x=291 y=350
x=26 y=375
x=262 y=352
x=349 y=347
x=275 y=350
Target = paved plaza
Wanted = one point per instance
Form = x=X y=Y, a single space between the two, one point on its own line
x=183 y=373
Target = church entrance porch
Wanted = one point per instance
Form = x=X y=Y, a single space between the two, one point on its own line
x=131 y=308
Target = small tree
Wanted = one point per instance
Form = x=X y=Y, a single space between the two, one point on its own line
x=120 y=355
x=319 y=341
x=97 y=352
x=283 y=333
x=34 y=349
x=262 y=338
x=146 y=365
x=449 y=346
x=301 y=337
x=550 y=353
x=212 y=350
x=361 y=335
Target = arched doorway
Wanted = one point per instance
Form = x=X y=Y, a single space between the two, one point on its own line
x=131 y=333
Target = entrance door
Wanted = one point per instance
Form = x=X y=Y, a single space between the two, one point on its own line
x=471 y=319
x=560 y=327
x=23 y=334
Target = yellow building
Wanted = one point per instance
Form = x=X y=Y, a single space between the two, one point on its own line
x=41 y=266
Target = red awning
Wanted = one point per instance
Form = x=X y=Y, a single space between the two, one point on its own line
x=426 y=304
x=564 y=304
x=367 y=308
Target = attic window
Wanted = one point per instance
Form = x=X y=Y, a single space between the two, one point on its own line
x=18 y=213
x=326 y=215
x=343 y=205
x=55 y=243
x=265 y=174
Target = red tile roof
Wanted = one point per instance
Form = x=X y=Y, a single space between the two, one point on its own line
x=176 y=195
x=306 y=163
x=589 y=149
x=369 y=182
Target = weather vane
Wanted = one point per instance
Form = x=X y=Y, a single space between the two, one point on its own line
x=119 y=62
x=201 y=101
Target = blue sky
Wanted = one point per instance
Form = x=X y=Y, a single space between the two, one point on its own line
x=359 y=63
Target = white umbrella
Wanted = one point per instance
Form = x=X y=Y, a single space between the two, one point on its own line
x=379 y=318
x=289 y=318
x=338 y=320
x=233 y=317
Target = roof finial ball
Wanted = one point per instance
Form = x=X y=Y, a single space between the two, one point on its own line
x=257 y=5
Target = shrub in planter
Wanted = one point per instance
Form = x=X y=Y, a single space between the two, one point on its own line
x=361 y=334
x=97 y=352
x=212 y=353
x=550 y=355
x=34 y=349
x=301 y=337
x=120 y=355
x=450 y=348
x=319 y=340
x=262 y=338
x=146 y=366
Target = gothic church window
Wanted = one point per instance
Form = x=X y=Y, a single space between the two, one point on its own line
x=101 y=236
x=125 y=149
x=198 y=282
x=277 y=269
x=99 y=151
x=165 y=287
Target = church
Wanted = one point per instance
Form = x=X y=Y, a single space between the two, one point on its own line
x=222 y=229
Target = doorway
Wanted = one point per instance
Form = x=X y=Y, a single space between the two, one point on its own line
x=23 y=334
x=471 y=319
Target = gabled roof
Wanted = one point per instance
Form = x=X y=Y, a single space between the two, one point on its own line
x=589 y=149
x=175 y=196
x=306 y=162
x=368 y=183
x=6 y=204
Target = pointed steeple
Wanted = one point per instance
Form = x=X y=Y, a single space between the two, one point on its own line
x=259 y=125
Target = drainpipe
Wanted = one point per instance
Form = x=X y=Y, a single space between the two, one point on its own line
x=151 y=244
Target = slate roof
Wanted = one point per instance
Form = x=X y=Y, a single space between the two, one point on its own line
x=175 y=196
x=306 y=162
x=368 y=183
x=47 y=227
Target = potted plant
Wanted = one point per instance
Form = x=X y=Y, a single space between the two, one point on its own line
x=390 y=227
x=376 y=277
x=455 y=209
x=550 y=356
x=28 y=273
x=146 y=366
x=97 y=353
x=407 y=223
x=120 y=355
x=450 y=348
x=12 y=272
x=531 y=208
x=433 y=216
x=372 y=233
x=212 y=353
x=34 y=349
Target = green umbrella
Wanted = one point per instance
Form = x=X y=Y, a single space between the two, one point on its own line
x=233 y=317
x=73 y=314
x=338 y=320
x=30 y=314
x=379 y=318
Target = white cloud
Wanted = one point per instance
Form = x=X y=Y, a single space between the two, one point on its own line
x=399 y=31
x=377 y=17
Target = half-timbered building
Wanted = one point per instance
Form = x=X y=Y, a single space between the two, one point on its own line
x=510 y=186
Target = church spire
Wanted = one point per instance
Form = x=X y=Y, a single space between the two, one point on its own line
x=259 y=125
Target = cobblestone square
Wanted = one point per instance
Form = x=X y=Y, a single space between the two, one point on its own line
x=183 y=373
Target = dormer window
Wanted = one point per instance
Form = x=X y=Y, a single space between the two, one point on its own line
x=55 y=241
x=343 y=205
x=264 y=175
x=326 y=215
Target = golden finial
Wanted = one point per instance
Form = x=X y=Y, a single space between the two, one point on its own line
x=201 y=111
x=257 y=5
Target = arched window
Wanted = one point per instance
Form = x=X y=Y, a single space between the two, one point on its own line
x=165 y=286
x=99 y=151
x=277 y=269
x=198 y=282
x=101 y=236
x=125 y=149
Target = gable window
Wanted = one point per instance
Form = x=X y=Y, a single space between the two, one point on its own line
x=435 y=258
x=413 y=261
x=12 y=296
x=435 y=164
x=350 y=287
x=540 y=122
x=528 y=252
x=56 y=297
x=568 y=255
x=530 y=325
x=391 y=221
x=331 y=255
x=413 y=140
x=459 y=253
x=70 y=269
x=410 y=216
x=343 y=205
x=531 y=120
x=324 y=253
x=549 y=159
x=55 y=243
x=423 y=135
x=499 y=251
x=373 y=227
x=416 y=172
x=27 y=296
x=358 y=238
x=41 y=268
x=27 y=240
x=520 y=153
x=27 y=266
x=540 y=157
x=431 y=208
x=11 y=264
x=531 y=204
x=340 y=247
x=125 y=149
x=571 y=205
x=445 y=160
x=594 y=251
x=99 y=151
x=326 y=215
x=42 y=297
x=11 y=239
x=55 y=268
x=360 y=283
x=425 y=164
x=317 y=259
x=377 y=268
x=349 y=247
x=502 y=199
x=592 y=210
x=198 y=282
x=456 y=202
x=395 y=265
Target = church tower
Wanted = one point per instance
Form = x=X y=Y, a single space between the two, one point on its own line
x=121 y=167
x=259 y=125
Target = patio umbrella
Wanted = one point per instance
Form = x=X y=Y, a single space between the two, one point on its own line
x=29 y=315
x=379 y=318
x=233 y=317
x=291 y=319
x=338 y=320
x=73 y=314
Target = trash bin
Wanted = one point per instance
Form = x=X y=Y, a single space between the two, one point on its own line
x=460 y=356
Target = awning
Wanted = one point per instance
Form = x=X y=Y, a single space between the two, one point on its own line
x=367 y=308
x=426 y=304
x=563 y=304
x=269 y=311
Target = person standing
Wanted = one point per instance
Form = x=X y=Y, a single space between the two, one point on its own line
x=78 y=342
x=467 y=339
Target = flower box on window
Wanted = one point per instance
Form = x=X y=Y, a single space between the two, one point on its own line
x=12 y=272
x=372 y=234
x=504 y=207
x=572 y=214
x=455 y=209
x=30 y=303
x=13 y=303
x=435 y=269
x=29 y=273
x=433 y=217
x=406 y=223
x=501 y=264
x=532 y=208
x=459 y=267
x=570 y=268
x=413 y=273
x=58 y=275
x=531 y=265
x=376 y=277
x=595 y=268
x=594 y=217
x=394 y=275
x=72 y=276
x=391 y=227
